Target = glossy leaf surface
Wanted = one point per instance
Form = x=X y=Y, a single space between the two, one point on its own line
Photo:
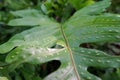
x=85 y=26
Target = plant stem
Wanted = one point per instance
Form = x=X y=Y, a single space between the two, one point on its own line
x=71 y=55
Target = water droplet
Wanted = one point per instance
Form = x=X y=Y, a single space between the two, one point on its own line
x=96 y=37
x=17 y=53
x=53 y=55
x=79 y=66
x=91 y=60
x=62 y=71
x=110 y=30
x=73 y=48
x=88 y=37
x=99 y=60
x=82 y=73
x=65 y=51
x=82 y=51
x=1 y=67
x=68 y=63
x=107 y=61
x=102 y=36
x=89 y=52
x=109 y=36
x=33 y=53
x=84 y=58
x=112 y=25
x=103 y=19
x=57 y=54
x=38 y=57
x=116 y=30
x=89 y=78
x=24 y=57
x=57 y=77
x=12 y=56
x=118 y=60
x=45 y=56
x=97 y=54
x=113 y=20
x=108 y=20
x=118 y=37
x=96 y=31
x=104 y=9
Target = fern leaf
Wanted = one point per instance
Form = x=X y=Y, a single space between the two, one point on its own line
x=34 y=45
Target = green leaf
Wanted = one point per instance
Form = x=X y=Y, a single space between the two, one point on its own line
x=88 y=29
x=85 y=58
x=92 y=29
x=26 y=13
x=15 y=5
x=39 y=52
x=96 y=8
x=35 y=46
x=78 y=4
x=31 y=18
x=3 y=78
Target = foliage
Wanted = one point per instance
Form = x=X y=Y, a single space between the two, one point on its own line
x=81 y=3
x=34 y=46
